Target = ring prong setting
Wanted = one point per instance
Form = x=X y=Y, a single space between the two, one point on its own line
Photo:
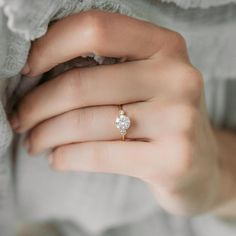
x=122 y=123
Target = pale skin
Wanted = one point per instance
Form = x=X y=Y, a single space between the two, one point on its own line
x=170 y=145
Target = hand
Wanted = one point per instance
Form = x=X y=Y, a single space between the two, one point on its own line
x=170 y=143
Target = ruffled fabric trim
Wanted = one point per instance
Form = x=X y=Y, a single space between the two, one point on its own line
x=199 y=3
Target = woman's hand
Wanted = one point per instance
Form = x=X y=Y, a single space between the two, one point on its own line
x=170 y=143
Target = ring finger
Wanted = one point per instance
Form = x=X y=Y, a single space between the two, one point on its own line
x=87 y=124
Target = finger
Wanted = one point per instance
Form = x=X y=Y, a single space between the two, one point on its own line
x=149 y=122
x=89 y=124
x=102 y=33
x=103 y=85
x=129 y=158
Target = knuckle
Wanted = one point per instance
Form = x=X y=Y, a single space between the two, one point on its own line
x=190 y=83
x=186 y=117
x=72 y=84
x=81 y=118
x=195 y=81
x=69 y=83
x=75 y=119
x=95 y=30
x=177 y=41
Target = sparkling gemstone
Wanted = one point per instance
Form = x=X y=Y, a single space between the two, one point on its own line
x=122 y=123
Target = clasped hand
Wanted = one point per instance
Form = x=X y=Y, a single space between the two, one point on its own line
x=170 y=144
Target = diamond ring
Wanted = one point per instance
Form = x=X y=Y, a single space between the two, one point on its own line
x=122 y=122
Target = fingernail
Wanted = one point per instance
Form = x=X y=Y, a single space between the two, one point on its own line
x=14 y=121
x=25 y=70
x=50 y=159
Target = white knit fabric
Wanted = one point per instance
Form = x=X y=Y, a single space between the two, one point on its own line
x=199 y=3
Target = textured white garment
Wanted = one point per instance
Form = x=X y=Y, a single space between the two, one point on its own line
x=100 y=201
x=199 y=3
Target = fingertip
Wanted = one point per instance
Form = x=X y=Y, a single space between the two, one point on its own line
x=14 y=121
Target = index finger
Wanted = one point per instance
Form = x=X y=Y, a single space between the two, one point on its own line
x=102 y=33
